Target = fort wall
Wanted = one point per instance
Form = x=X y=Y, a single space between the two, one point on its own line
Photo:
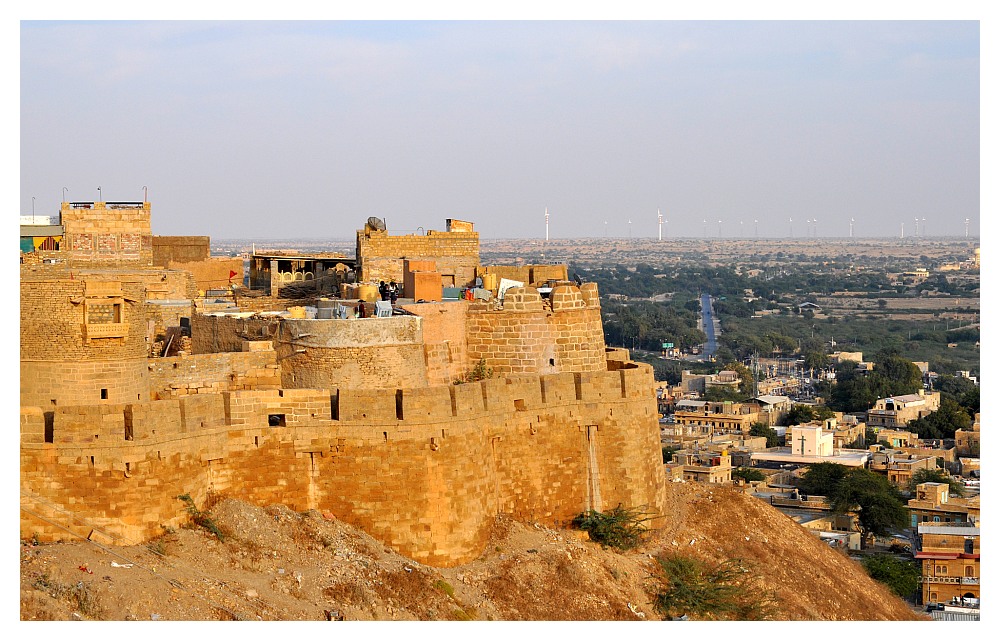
x=425 y=470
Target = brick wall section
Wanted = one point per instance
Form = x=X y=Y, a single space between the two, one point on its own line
x=213 y=373
x=380 y=256
x=428 y=484
x=530 y=336
x=104 y=235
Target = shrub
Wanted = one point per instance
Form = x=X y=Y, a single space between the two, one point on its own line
x=725 y=591
x=902 y=576
x=620 y=528
x=199 y=518
x=478 y=373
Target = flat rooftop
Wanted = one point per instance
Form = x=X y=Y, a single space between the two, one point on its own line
x=849 y=458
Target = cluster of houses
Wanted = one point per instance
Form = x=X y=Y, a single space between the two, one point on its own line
x=709 y=440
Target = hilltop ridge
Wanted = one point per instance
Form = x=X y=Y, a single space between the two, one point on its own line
x=276 y=564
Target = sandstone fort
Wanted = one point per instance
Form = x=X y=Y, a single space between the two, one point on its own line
x=146 y=375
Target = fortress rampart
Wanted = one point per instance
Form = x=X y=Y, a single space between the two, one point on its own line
x=528 y=336
x=425 y=470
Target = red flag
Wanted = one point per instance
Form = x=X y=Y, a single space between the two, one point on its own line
x=231 y=274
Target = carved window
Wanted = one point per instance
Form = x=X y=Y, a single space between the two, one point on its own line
x=103 y=313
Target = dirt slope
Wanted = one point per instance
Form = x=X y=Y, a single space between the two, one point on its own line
x=276 y=564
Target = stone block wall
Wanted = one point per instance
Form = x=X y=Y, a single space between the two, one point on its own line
x=530 y=335
x=444 y=331
x=212 y=273
x=180 y=249
x=527 y=274
x=374 y=353
x=213 y=373
x=107 y=234
x=423 y=470
x=219 y=332
x=380 y=256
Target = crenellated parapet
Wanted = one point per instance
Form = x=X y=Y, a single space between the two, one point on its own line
x=423 y=469
x=531 y=334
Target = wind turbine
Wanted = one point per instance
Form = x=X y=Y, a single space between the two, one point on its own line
x=755 y=228
x=852 y=228
x=966 y=227
x=720 y=228
x=790 y=233
x=546 y=224
x=659 y=220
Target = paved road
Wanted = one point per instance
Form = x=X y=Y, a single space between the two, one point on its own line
x=708 y=324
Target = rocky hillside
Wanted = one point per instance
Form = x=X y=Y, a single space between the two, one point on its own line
x=276 y=564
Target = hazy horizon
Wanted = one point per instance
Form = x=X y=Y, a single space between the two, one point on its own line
x=292 y=129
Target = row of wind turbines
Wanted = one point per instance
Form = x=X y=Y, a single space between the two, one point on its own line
x=791 y=231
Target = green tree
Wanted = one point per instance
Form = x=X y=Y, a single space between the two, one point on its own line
x=937 y=475
x=821 y=479
x=902 y=576
x=668 y=452
x=879 y=505
x=720 y=393
x=799 y=414
x=760 y=429
x=950 y=416
x=744 y=374
x=748 y=474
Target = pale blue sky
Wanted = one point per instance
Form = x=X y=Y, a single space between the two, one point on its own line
x=293 y=129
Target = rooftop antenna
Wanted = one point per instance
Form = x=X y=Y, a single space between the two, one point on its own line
x=659 y=218
x=546 y=224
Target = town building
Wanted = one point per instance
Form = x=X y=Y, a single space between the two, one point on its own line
x=773 y=408
x=899 y=467
x=934 y=504
x=807 y=445
x=713 y=417
x=949 y=563
x=895 y=412
x=967 y=441
x=703 y=466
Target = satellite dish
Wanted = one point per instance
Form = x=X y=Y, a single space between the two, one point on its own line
x=376 y=223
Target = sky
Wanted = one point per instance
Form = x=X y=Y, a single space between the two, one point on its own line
x=268 y=129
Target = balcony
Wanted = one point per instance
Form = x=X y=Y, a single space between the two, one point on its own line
x=970 y=580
